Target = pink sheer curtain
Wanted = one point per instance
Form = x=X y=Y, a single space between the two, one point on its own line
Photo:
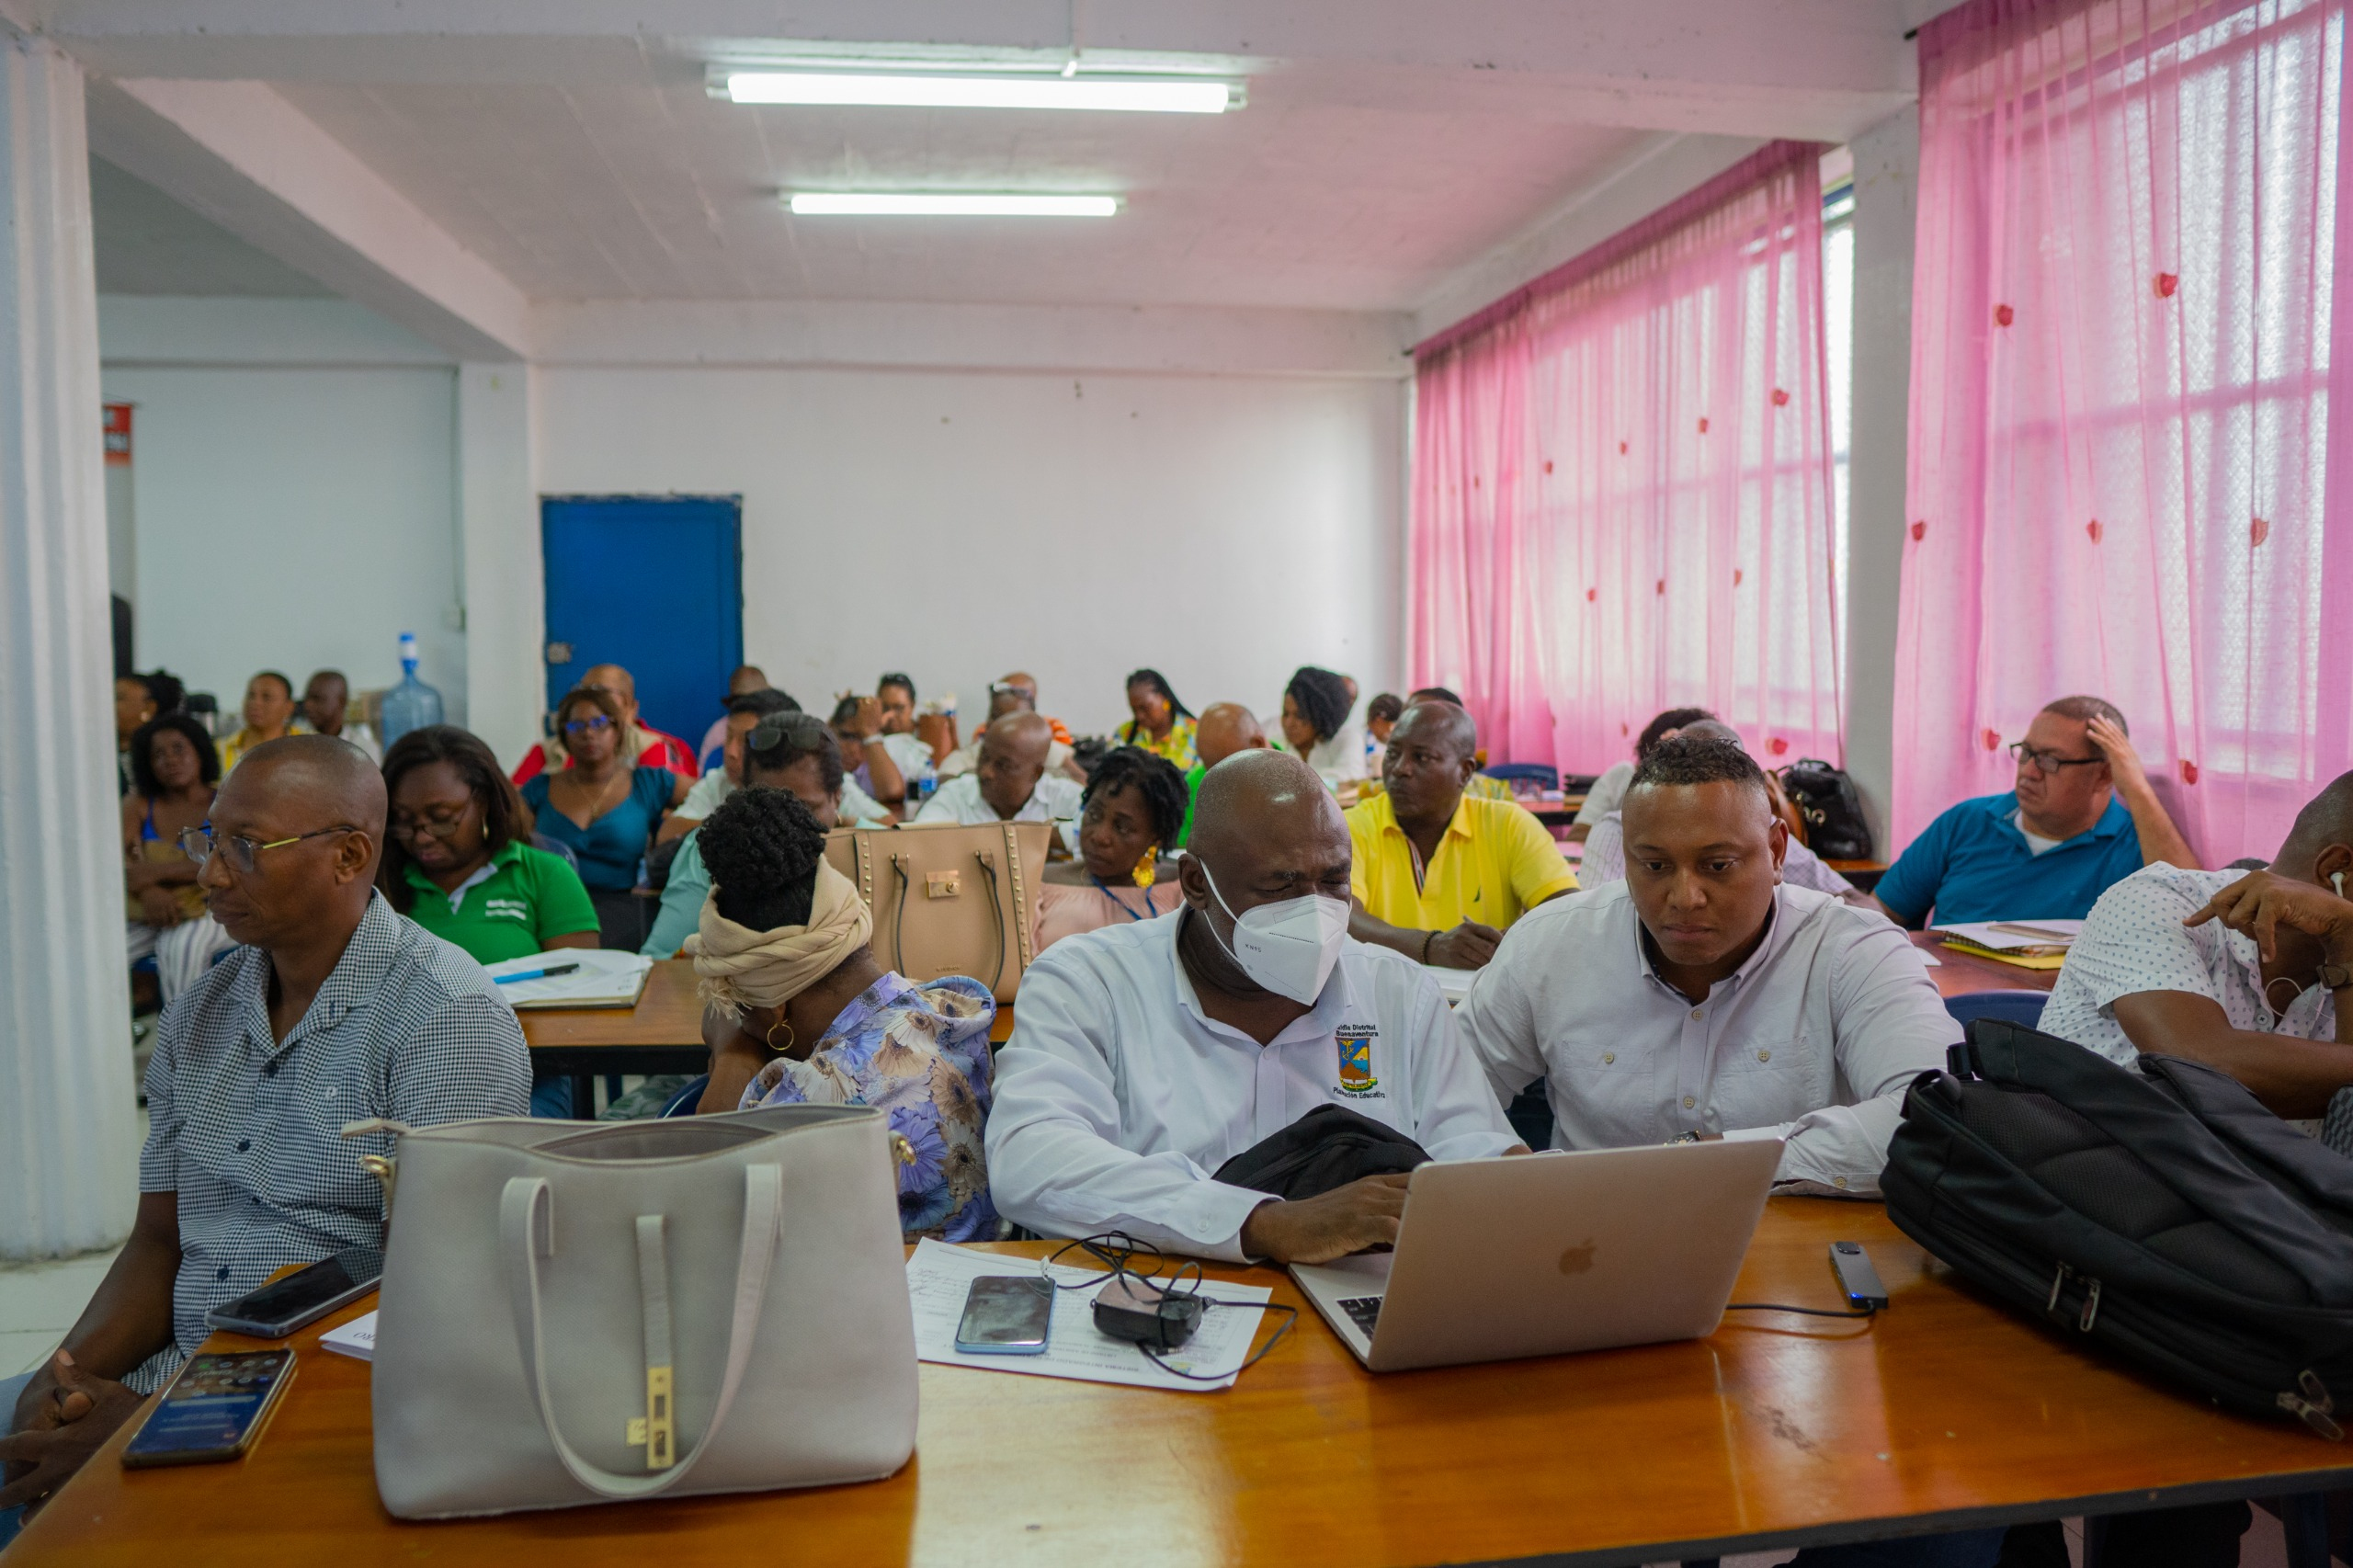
x=2120 y=423
x=1622 y=486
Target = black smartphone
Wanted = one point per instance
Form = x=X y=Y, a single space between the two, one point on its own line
x=1007 y=1314
x=214 y=1410
x=277 y=1309
x=1857 y=1277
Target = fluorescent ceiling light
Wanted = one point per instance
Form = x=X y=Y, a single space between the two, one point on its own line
x=929 y=90
x=890 y=204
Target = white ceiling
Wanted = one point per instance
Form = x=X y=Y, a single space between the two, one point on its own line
x=149 y=243
x=1311 y=197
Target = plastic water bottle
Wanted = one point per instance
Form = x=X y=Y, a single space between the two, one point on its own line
x=411 y=705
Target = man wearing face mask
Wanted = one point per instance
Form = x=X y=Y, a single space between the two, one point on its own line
x=1146 y=1055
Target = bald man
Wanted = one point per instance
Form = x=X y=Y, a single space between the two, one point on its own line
x=1011 y=783
x=1222 y=730
x=649 y=746
x=1016 y=692
x=1442 y=874
x=334 y=1010
x=1148 y=1054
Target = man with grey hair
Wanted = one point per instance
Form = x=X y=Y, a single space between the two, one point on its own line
x=2081 y=819
x=1149 y=1054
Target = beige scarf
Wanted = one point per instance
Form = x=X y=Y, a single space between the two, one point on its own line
x=740 y=968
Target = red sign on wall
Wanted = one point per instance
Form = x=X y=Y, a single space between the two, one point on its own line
x=118 y=429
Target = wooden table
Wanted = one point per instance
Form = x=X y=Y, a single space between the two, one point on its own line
x=1944 y=1412
x=1863 y=874
x=662 y=1034
x=1959 y=975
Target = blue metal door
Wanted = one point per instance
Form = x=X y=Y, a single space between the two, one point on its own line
x=654 y=583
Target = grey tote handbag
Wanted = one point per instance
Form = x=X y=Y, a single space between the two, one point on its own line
x=576 y=1314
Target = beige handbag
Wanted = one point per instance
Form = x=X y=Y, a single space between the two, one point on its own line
x=949 y=899
x=579 y=1315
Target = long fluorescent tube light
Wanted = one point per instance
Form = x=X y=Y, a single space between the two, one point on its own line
x=924 y=90
x=885 y=204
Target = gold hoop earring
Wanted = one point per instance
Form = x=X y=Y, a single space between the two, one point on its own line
x=780 y=1024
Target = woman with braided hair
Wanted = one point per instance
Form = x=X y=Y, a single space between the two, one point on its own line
x=1316 y=705
x=1130 y=816
x=798 y=1012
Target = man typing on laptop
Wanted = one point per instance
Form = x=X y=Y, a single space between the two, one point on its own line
x=1703 y=998
x=1146 y=1055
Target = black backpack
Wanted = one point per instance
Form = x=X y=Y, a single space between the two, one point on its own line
x=1827 y=798
x=2163 y=1212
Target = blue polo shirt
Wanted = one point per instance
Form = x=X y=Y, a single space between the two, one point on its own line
x=1974 y=864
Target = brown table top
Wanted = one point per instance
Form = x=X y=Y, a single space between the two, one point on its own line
x=1958 y=974
x=1944 y=1412
x=667 y=1013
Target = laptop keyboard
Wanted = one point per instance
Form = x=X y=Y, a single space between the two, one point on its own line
x=1363 y=1311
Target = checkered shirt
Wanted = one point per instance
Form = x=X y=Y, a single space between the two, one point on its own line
x=245 y=1129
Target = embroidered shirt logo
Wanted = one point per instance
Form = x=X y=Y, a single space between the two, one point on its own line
x=506 y=909
x=1355 y=1043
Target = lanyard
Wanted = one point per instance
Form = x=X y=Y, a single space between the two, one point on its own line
x=1124 y=908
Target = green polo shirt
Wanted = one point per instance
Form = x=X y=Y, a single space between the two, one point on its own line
x=530 y=899
x=1192 y=798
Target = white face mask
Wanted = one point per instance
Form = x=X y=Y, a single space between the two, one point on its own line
x=1289 y=946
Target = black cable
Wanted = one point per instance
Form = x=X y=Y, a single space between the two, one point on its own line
x=1809 y=1311
x=1117 y=1252
x=1260 y=1355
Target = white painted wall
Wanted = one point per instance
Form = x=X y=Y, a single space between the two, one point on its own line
x=294 y=518
x=956 y=525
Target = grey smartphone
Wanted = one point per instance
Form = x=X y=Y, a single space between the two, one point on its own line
x=277 y=1309
x=1007 y=1314
x=1857 y=1277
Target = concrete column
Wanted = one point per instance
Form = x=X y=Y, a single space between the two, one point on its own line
x=498 y=507
x=1887 y=182
x=68 y=1120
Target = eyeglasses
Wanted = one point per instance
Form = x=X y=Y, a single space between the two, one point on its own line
x=199 y=844
x=593 y=724
x=440 y=824
x=2047 y=761
x=800 y=729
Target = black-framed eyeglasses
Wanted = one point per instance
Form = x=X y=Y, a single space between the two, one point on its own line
x=802 y=729
x=439 y=823
x=2047 y=761
x=199 y=844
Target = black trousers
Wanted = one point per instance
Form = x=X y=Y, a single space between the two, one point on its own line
x=2203 y=1535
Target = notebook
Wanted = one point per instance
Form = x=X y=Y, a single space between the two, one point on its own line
x=596 y=978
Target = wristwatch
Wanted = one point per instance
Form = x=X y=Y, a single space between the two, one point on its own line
x=2335 y=976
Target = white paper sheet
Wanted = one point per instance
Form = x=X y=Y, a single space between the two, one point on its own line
x=2014 y=935
x=939 y=1275
x=355 y=1339
x=602 y=979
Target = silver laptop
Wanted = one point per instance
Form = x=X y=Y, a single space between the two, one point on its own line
x=1539 y=1254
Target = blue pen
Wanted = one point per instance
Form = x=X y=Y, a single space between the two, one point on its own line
x=547 y=974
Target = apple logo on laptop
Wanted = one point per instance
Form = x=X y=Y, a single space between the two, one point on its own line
x=1577 y=1259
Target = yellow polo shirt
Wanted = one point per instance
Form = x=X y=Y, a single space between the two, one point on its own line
x=1494 y=864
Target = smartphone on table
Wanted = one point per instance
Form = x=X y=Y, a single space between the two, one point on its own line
x=1007 y=1314
x=214 y=1410
x=279 y=1307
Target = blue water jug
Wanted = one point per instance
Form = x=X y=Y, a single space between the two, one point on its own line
x=411 y=705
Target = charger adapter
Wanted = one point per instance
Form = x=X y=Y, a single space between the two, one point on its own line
x=1127 y=1308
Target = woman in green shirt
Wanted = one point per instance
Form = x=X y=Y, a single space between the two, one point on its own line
x=453 y=860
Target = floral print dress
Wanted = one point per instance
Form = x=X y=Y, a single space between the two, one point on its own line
x=921 y=1053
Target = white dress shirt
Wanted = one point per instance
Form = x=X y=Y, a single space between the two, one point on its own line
x=1608 y=792
x=1814 y=1039
x=2134 y=940
x=1341 y=758
x=959 y=800
x=1605 y=861
x=1116 y=1096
